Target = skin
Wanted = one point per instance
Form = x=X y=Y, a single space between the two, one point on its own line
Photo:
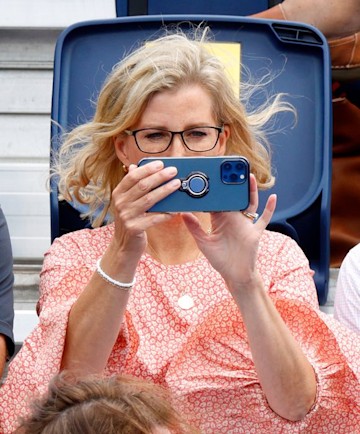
x=335 y=18
x=285 y=374
x=3 y=354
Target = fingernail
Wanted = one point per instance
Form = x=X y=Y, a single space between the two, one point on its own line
x=171 y=170
x=174 y=183
x=158 y=164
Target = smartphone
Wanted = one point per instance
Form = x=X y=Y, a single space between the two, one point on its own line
x=207 y=184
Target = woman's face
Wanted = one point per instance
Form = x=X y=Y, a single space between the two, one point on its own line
x=173 y=110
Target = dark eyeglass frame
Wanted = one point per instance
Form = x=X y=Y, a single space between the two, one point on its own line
x=173 y=133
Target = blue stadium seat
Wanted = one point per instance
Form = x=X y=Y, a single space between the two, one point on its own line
x=298 y=58
x=206 y=7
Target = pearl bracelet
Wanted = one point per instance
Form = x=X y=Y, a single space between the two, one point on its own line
x=101 y=272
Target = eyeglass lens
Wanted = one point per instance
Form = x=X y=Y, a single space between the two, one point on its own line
x=196 y=139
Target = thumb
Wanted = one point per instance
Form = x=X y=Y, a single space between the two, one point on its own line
x=268 y=212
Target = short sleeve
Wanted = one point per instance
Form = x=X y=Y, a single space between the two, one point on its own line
x=285 y=269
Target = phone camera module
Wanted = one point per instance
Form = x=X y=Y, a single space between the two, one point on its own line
x=233 y=172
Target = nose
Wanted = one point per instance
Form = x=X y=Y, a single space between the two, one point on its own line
x=177 y=147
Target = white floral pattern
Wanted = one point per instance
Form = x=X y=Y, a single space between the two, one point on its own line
x=201 y=353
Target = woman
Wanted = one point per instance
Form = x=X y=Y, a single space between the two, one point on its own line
x=247 y=350
x=95 y=405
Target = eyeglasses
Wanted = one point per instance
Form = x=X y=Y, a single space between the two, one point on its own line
x=157 y=140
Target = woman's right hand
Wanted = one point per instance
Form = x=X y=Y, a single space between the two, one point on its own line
x=139 y=190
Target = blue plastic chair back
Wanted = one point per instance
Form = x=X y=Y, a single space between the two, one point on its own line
x=190 y=7
x=298 y=58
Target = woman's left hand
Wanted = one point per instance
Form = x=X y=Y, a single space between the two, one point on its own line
x=232 y=245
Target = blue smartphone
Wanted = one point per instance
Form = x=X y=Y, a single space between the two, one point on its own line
x=207 y=184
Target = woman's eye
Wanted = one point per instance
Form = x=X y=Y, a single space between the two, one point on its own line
x=155 y=136
x=196 y=133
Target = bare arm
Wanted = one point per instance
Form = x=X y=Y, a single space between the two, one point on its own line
x=335 y=18
x=285 y=374
x=96 y=317
x=3 y=354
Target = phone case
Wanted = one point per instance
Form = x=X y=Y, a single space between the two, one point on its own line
x=207 y=184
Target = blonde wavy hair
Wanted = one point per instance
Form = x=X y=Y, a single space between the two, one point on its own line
x=87 y=167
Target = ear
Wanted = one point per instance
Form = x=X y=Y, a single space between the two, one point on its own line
x=223 y=139
x=121 y=149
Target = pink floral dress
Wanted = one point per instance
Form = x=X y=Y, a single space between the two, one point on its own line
x=198 y=349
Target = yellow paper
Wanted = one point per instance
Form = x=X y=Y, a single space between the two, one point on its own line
x=230 y=54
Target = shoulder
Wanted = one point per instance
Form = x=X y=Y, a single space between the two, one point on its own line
x=69 y=264
x=352 y=258
x=276 y=242
x=281 y=252
x=347 y=293
x=83 y=246
x=285 y=268
x=84 y=238
x=349 y=272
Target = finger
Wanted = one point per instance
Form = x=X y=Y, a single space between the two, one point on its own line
x=193 y=224
x=194 y=227
x=138 y=182
x=216 y=221
x=155 y=180
x=129 y=207
x=146 y=221
x=254 y=195
x=137 y=173
x=136 y=227
x=140 y=172
x=147 y=201
x=269 y=210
